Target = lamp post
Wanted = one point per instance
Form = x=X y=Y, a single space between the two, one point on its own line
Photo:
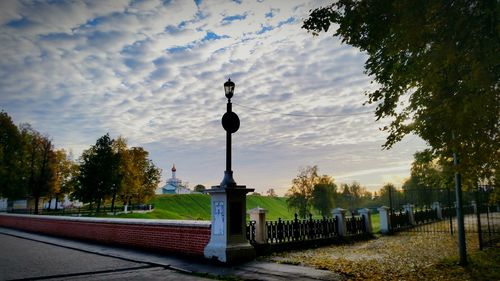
x=230 y=123
x=228 y=243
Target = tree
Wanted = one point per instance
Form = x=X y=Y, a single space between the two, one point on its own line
x=353 y=196
x=300 y=194
x=271 y=192
x=199 y=188
x=138 y=177
x=109 y=169
x=437 y=68
x=98 y=172
x=385 y=194
x=128 y=178
x=323 y=195
x=11 y=156
x=40 y=164
x=149 y=174
x=66 y=173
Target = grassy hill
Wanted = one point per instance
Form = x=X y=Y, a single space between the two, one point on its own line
x=197 y=207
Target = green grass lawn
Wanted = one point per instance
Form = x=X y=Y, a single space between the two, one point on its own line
x=197 y=207
x=376 y=223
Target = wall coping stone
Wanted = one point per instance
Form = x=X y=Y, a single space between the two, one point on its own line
x=149 y=222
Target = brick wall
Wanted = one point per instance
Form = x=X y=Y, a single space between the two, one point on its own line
x=187 y=237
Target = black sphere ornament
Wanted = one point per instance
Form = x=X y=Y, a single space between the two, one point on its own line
x=230 y=122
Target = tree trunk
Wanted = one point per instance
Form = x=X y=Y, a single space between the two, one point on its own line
x=113 y=201
x=57 y=200
x=37 y=200
x=98 y=205
x=50 y=203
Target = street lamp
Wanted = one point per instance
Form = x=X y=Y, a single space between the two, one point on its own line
x=228 y=242
x=229 y=88
x=230 y=123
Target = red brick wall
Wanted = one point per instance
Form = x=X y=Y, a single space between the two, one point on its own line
x=188 y=238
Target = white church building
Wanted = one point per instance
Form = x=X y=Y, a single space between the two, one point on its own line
x=174 y=185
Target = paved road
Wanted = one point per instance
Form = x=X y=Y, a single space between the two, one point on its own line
x=29 y=256
x=22 y=258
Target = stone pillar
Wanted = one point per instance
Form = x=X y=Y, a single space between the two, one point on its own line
x=125 y=209
x=385 y=220
x=437 y=207
x=228 y=242
x=339 y=214
x=367 y=218
x=259 y=216
x=409 y=210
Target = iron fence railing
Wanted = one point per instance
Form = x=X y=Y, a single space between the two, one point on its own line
x=83 y=211
x=299 y=230
x=425 y=215
x=355 y=225
x=399 y=220
x=295 y=230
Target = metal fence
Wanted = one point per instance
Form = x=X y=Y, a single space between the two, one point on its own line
x=481 y=217
x=301 y=230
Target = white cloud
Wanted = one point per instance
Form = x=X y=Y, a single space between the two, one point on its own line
x=153 y=73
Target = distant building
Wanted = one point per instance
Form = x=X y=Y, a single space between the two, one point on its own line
x=175 y=185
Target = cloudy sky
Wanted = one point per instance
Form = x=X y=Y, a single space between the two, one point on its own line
x=153 y=72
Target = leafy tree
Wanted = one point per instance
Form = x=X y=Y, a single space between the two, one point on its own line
x=11 y=156
x=40 y=165
x=109 y=169
x=66 y=173
x=98 y=172
x=385 y=194
x=300 y=194
x=138 y=176
x=149 y=174
x=323 y=195
x=437 y=68
x=199 y=188
x=429 y=174
x=127 y=175
x=271 y=192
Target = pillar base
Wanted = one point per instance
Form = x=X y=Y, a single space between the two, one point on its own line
x=230 y=254
x=228 y=243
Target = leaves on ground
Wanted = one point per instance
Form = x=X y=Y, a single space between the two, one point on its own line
x=404 y=256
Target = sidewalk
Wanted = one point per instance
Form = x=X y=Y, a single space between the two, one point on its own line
x=134 y=264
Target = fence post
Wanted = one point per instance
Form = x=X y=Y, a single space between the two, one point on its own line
x=409 y=210
x=474 y=206
x=259 y=216
x=367 y=219
x=385 y=220
x=436 y=206
x=339 y=214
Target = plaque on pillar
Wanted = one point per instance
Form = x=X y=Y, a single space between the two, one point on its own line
x=228 y=242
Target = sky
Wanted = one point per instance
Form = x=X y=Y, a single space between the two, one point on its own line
x=153 y=72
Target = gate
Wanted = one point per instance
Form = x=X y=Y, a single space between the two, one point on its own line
x=433 y=210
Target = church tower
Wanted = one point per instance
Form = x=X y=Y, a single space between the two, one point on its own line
x=173 y=171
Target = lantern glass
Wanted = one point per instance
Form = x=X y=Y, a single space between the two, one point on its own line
x=229 y=88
